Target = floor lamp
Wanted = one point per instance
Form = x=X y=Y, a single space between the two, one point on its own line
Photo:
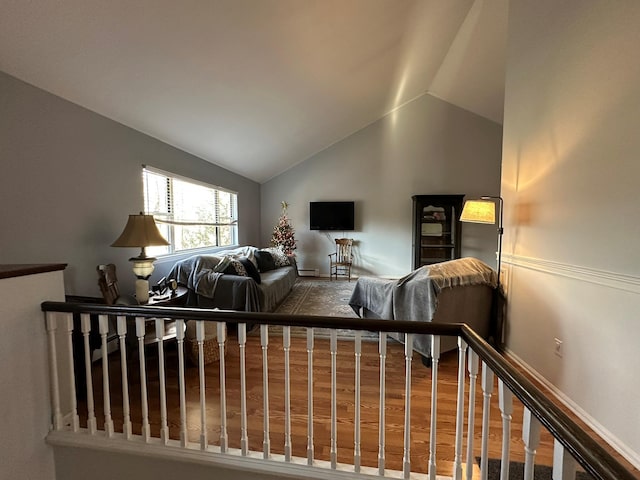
x=484 y=211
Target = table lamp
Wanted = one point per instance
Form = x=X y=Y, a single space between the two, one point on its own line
x=141 y=231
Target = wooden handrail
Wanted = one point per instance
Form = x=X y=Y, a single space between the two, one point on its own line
x=587 y=452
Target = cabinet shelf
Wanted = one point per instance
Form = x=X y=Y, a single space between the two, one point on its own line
x=436 y=228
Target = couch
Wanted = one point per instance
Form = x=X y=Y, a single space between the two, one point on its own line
x=457 y=291
x=246 y=279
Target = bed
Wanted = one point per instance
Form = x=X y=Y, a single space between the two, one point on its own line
x=458 y=291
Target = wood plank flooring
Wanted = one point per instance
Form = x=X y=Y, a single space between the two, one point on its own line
x=394 y=411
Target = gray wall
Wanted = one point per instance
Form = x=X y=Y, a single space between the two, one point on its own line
x=70 y=178
x=427 y=146
x=570 y=182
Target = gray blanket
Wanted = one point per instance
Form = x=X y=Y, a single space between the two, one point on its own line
x=196 y=273
x=415 y=296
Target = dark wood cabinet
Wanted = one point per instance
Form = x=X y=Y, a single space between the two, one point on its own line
x=437 y=230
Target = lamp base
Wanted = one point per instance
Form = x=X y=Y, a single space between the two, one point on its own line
x=142 y=290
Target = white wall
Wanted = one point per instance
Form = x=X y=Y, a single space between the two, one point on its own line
x=71 y=177
x=570 y=182
x=425 y=147
x=24 y=377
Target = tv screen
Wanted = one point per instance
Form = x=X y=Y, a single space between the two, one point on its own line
x=331 y=215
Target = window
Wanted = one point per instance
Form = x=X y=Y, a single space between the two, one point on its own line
x=189 y=214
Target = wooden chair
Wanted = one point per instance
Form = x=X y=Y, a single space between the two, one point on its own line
x=340 y=262
x=108 y=283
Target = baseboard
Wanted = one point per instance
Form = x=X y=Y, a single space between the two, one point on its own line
x=615 y=443
x=308 y=272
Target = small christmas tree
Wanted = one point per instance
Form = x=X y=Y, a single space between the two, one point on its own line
x=283 y=233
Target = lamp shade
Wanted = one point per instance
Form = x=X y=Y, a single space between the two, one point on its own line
x=479 y=211
x=140 y=231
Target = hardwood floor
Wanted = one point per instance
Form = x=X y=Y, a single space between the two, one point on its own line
x=394 y=411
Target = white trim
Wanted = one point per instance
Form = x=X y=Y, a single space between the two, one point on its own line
x=607 y=436
x=619 y=281
x=233 y=459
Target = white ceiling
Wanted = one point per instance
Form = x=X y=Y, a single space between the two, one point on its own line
x=257 y=86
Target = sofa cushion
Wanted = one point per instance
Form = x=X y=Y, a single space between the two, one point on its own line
x=223 y=264
x=236 y=267
x=250 y=268
x=279 y=257
x=265 y=261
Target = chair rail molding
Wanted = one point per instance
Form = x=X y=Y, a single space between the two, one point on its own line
x=619 y=281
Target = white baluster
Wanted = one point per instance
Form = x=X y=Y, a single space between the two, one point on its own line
x=408 y=356
x=103 y=326
x=457 y=466
x=334 y=425
x=531 y=437
x=264 y=341
x=382 y=350
x=286 y=344
x=204 y=443
x=144 y=401
x=564 y=465
x=126 y=413
x=487 y=391
x=222 y=338
x=85 y=325
x=473 y=376
x=356 y=433
x=52 y=325
x=184 y=438
x=435 y=361
x=164 y=428
x=310 y=396
x=68 y=325
x=242 y=343
x=505 y=402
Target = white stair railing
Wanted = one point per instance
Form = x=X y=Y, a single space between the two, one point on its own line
x=310 y=447
x=65 y=417
x=382 y=349
x=122 y=333
x=487 y=391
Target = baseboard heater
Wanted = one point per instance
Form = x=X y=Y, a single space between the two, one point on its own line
x=308 y=272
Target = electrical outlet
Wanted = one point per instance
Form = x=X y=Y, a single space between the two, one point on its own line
x=558 y=347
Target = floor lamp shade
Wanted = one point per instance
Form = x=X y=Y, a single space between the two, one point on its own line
x=141 y=231
x=484 y=211
x=479 y=211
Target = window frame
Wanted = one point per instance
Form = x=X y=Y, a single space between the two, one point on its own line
x=166 y=218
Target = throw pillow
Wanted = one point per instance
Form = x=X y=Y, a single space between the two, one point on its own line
x=222 y=264
x=236 y=268
x=250 y=268
x=279 y=256
x=265 y=261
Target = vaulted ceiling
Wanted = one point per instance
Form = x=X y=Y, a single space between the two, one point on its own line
x=257 y=86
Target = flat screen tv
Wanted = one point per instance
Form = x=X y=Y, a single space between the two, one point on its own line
x=331 y=215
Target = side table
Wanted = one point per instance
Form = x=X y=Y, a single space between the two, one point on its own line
x=166 y=300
